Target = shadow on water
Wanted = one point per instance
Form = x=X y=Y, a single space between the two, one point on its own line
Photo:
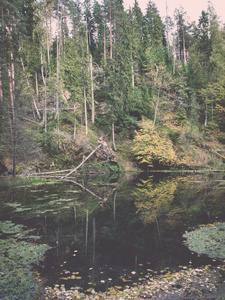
x=105 y=233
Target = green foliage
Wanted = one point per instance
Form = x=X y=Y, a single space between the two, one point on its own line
x=153 y=148
x=182 y=116
x=50 y=143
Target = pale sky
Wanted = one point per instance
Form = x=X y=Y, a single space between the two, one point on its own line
x=192 y=7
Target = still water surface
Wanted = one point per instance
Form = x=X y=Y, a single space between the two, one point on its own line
x=106 y=232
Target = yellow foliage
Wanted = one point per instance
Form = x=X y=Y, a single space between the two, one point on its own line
x=153 y=146
x=152 y=200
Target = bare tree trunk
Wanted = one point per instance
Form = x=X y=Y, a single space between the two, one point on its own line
x=184 y=49
x=110 y=20
x=75 y=124
x=206 y=111
x=47 y=38
x=1 y=92
x=57 y=81
x=178 y=44
x=167 y=28
x=132 y=70
x=92 y=92
x=157 y=101
x=45 y=98
x=36 y=83
x=11 y=74
x=85 y=111
x=28 y=84
x=104 y=45
x=113 y=137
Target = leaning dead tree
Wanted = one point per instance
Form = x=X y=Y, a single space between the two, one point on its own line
x=105 y=153
x=81 y=164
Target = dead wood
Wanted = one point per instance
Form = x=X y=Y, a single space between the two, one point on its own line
x=81 y=164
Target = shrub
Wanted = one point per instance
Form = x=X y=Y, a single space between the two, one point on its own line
x=153 y=148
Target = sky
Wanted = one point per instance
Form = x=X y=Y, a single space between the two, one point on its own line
x=192 y=7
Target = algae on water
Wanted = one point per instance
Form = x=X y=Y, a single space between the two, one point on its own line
x=18 y=252
x=209 y=240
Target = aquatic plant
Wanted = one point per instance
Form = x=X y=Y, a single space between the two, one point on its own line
x=18 y=252
x=209 y=240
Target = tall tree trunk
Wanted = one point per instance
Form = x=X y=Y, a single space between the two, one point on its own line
x=104 y=46
x=184 y=48
x=1 y=92
x=75 y=124
x=45 y=92
x=206 y=111
x=110 y=20
x=178 y=44
x=157 y=101
x=47 y=37
x=11 y=74
x=36 y=83
x=57 y=81
x=92 y=92
x=28 y=84
x=132 y=70
x=85 y=111
x=156 y=110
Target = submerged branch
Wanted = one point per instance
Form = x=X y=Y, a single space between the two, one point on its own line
x=83 y=187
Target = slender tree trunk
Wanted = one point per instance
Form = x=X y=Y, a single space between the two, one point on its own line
x=212 y=111
x=75 y=124
x=11 y=74
x=132 y=70
x=157 y=101
x=178 y=44
x=206 y=111
x=36 y=83
x=57 y=81
x=110 y=20
x=113 y=137
x=92 y=92
x=87 y=35
x=45 y=92
x=184 y=48
x=104 y=46
x=47 y=37
x=167 y=28
x=1 y=92
x=85 y=111
x=28 y=84
x=156 y=110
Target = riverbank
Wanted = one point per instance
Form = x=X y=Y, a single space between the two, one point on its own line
x=187 y=284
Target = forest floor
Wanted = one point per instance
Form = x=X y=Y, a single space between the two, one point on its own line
x=188 y=284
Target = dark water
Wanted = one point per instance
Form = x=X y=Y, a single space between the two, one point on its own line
x=106 y=232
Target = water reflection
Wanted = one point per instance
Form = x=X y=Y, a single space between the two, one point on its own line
x=113 y=233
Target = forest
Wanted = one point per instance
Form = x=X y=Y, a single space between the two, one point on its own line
x=73 y=73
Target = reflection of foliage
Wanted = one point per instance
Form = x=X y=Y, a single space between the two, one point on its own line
x=16 y=258
x=209 y=240
x=152 y=199
x=153 y=147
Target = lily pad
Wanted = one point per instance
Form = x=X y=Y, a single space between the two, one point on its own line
x=209 y=240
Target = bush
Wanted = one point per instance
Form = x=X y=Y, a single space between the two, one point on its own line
x=153 y=148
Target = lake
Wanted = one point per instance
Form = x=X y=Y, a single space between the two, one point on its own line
x=108 y=231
